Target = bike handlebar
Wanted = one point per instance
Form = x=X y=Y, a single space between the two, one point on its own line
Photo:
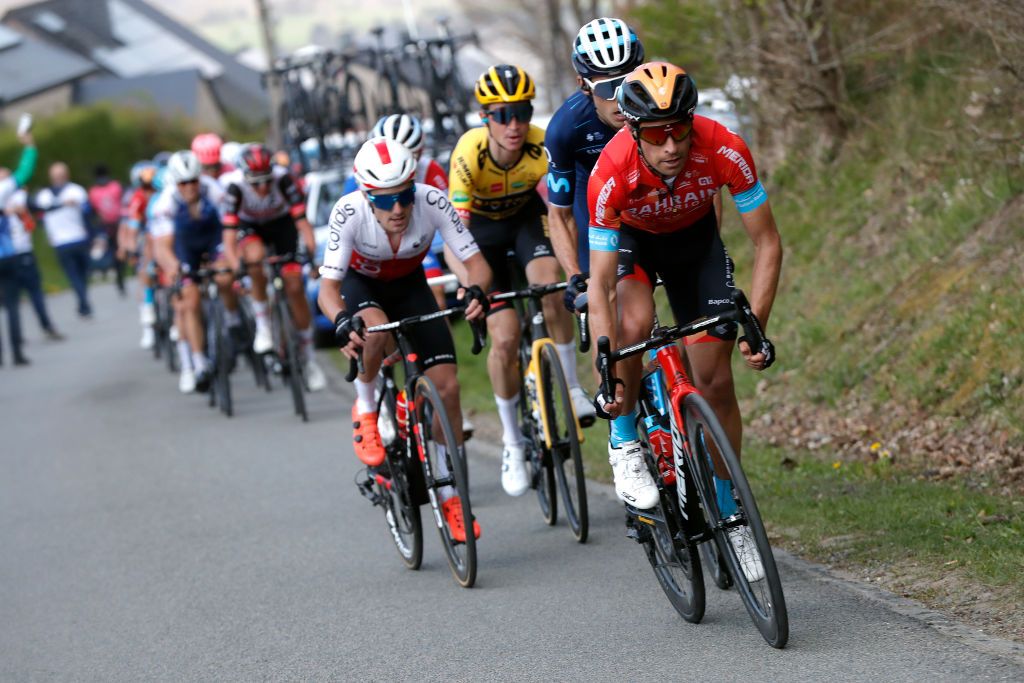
x=356 y=364
x=741 y=314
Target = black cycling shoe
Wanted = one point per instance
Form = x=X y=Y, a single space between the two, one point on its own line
x=203 y=379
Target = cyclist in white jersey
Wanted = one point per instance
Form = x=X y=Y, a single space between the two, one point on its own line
x=373 y=268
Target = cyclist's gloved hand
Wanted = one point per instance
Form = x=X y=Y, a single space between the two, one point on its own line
x=345 y=328
x=471 y=294
x=577 y=285
x=751 y=355
x=608 y=400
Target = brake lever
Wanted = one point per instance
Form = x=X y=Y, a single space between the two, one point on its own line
x=355 y=365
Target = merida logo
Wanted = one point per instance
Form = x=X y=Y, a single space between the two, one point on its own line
x=602 y=197
x=737 y=158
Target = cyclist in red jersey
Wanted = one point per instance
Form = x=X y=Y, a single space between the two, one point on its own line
x=651 y=200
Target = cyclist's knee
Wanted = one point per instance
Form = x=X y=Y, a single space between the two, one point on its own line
x=504 y=347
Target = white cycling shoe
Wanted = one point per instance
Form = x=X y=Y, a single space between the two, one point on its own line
x=147 y=314
x=742 y=541
x=585 y=411
x=316 y=380
x=633 y=481
x=515 y=478
x=148 y=338
x=263 y=340
x=187 y=381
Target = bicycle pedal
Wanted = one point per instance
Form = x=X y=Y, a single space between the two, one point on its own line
x=367 y=489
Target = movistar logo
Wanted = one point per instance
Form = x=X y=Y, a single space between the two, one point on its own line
x=557 y=185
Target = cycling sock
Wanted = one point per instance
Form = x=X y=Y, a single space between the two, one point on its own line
x=726 y=503
x=198 y=361
x=624 y=429
x=567 y=354
x=508 y=411
x=306 y=341
x=148 y=296
x=259 y=310
x=184 y=355
x=365 y=400
x=445 y=492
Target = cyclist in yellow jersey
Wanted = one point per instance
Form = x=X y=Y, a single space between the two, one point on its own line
x=493 y=186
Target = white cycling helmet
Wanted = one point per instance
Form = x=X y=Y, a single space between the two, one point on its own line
x=606 y=46
x=403 y=128
x=183 y=167
x=382 y=163
x=229 y=152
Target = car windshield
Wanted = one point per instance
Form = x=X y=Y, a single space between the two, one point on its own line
x=330 y=192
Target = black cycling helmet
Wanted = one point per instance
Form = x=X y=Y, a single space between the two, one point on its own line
x=604 y=47
x=657 y=91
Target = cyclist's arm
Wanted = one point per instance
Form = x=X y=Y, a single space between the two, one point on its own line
x=329 y=298
x=564 y=236
x=337 y=256
x=606 y=200
x=230 y=220
x=297 y=209
x=460 y=193
x=163 y=252
x=761 y=228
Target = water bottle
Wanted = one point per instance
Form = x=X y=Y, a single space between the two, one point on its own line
x=402 y=414
x=386 y=425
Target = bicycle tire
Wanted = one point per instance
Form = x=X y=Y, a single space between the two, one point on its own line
x=259 y=369
x=566 y=457
x=427 y=405
x=404 y=522
x=676 y=566
x=355 y=105
x=170 y=345
x=293 y=364
x=542 y=471
x=222 y=362
x=765 y=602
x=711 y=558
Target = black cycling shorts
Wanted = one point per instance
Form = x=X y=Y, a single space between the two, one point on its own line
x=693 y=265
x=280 y=234
x=402 y=298
x=522 y=237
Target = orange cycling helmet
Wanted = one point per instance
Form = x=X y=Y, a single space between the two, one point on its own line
x=657 y=91
x=504 y=83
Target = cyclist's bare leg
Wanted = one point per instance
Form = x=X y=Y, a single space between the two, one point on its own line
x=373 y=349
x=445 y=378
x=502 y=361
x=190 y=321
x=636 y=317
x=253 y=253
x=296 y=295
x=545 y=271
x=225 y=286
x=711 y=366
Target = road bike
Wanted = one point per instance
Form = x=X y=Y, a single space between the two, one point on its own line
x=419 y=459
x=551 y=431
x=285 y=357
x=220 y=346
x=684 y=469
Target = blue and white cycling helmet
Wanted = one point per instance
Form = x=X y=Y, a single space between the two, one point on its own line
x=604 y=47
x=402 y=128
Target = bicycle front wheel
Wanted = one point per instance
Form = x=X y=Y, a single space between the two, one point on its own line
x=401 y=512
x=566 y=456
x=293 y=364
x=762 y=596
x=433 y=429
x=222 y=361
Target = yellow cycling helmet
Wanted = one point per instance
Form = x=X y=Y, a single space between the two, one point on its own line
x=504 y=83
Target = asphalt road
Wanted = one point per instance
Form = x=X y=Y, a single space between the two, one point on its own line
x=146 y=537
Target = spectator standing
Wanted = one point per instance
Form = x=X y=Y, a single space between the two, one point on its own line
x=26 y=270
x=8 y=256
x=63 y=205
x=105 y=200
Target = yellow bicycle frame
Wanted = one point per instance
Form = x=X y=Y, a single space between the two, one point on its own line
x=539 y=405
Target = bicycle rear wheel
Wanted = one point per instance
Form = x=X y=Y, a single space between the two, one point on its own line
x=711 y=557
x=676 y=564
x=291 y=360
x=542 y=471
x=433 y=429
x=763 y=598
x=566 y=458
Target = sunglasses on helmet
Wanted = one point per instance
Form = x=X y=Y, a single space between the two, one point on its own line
x=386 y=202
x=657 y=135
x=521 y=111
x=607 y=88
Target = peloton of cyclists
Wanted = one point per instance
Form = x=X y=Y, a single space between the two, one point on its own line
x=493 y=186
x=372 y=269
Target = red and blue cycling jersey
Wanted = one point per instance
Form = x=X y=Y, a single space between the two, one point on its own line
x=624 y=190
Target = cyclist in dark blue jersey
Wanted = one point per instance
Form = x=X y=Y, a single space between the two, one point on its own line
x=605 y=50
